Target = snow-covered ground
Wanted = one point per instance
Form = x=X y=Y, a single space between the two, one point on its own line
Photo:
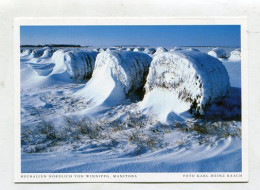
x=84 y=111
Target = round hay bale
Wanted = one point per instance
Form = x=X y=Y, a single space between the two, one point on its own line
x=218 y=53
x=196 y=78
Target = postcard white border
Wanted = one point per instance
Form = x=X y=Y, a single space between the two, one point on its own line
x=130 y=177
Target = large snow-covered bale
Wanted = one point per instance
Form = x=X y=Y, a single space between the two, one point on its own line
x=235 y=55
x=218 y=53
x=128 y=68
x=139 y=49
x=79 y=64
x=196 y=78
x=149 y=50
x=117 y=75
x=160 y=50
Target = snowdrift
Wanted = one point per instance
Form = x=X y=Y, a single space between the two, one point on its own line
x=235 y=55
x=149 y=50
x=217 y=53
x=117 y=74
x=185 y=80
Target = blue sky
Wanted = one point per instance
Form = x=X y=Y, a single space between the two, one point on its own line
x=162 y=35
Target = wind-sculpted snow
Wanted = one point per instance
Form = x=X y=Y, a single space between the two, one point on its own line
x=217 y=53
x=191 y=78
x=149 y=50
x=235 y=55
x=117 y=74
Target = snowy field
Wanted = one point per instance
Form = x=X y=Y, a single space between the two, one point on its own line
x=130 y=109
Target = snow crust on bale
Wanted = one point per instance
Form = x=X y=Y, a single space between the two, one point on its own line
x=194 y=77
x=235 y=55
x=117 y=74
x=79 y=64
x=149 y=50
x=217 y=53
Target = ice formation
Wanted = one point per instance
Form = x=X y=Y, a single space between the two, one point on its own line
x=192 y=79
x=217 y=53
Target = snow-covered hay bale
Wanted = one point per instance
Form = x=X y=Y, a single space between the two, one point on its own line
x=192 y=49
x=130 y=49
x=175 y=49
x=139 y=49
x=218 y=53
x=196 y=79
x=26 y=52
x=160 y=50
x=102 y=49
x=149 y=50
x=111 y=49
x=117 y=75
x=47 y=53
x=235 y=55
x=79 y=64
x=123 y=48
